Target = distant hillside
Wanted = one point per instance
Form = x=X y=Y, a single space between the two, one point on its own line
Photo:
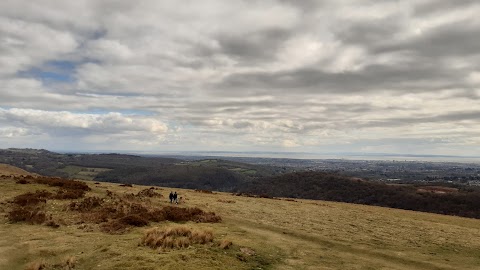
x=334 y=187
x=212 y=174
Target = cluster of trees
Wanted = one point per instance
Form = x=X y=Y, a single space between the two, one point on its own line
x=334 y=187
x=185 y=176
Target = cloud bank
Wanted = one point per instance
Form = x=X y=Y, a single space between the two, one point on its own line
x=276 y=75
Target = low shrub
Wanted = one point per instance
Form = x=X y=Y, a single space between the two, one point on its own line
x=22 y=181
x=68 y=194
x=180 y=214
x=114 y=227
x=117 y=213
x=148 y=193
x=30 y=198
x=134 y=220
x=25 y=214
x=87 y=204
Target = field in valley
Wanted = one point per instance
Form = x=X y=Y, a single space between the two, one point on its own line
x=265 y=234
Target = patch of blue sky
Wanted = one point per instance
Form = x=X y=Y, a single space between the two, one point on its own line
x=52 y=72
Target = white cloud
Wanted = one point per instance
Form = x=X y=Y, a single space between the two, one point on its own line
x=24 y=44
x=121 y=128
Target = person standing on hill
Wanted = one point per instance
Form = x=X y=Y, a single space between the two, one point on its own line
x=171 y=196
x=175 y=197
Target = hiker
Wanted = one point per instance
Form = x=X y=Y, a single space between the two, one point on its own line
x=171 y=196
x=175 y=197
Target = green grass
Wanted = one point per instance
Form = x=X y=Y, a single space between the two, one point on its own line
x=83 y=173
x=305 y=234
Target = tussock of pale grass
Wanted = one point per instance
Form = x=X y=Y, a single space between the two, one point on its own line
x=37 y=265
x=175 y=237
x=69 y=262
x=225 y=201
x=225 y=244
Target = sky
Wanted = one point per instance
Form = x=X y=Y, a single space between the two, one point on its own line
x=313 y=76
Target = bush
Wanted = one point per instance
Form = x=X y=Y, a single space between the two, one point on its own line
x=23 y=214
x=134 y=220
x=22 y=182
x=148 y=193
x=30 y=198
x=86 y=204
x=69 y=194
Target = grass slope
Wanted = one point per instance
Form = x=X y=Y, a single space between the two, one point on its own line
x=8 y=170
x=266 y=234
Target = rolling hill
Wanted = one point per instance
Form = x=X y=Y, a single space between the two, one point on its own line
x=253 y=233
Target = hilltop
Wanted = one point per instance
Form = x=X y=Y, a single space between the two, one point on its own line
x=249 y=233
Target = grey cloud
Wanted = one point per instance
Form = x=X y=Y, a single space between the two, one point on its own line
x=373 y=78
x=439 y=6
x=253 y=47
x=455 y=39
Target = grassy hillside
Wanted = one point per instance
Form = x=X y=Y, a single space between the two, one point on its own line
x=266 y=234
x=9 y=170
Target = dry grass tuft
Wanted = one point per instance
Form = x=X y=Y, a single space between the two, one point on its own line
x=69 y=262
x=37 y=265
x=175 y=237
x=204 y=191
x=225 y=201
x=225 y=244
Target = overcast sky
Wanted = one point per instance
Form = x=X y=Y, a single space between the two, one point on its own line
x=267 y=75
